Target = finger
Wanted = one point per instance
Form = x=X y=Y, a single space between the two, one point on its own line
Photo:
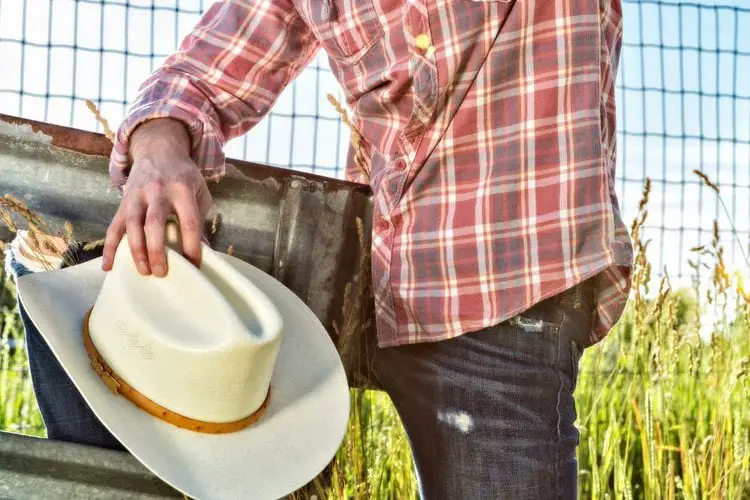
x=204 y=199
x=156 y=220
x=191 y=225
x=136 y=238
x=112 y=240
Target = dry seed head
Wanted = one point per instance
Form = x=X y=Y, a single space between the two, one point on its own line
x=706 y=180
x=48 y=246
x=107 y=131
x=356 y=137
x=215 y=223
x=33 y=238
x=93 y=244
x=645 y=195
x=69 y=232
x=14 y=205
x=8 y=221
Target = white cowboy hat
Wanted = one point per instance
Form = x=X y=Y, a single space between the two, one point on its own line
x=220 y=380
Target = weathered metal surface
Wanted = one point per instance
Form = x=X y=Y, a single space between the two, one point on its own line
x=300 y=228
x=38 y=469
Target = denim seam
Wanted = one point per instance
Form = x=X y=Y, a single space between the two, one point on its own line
x=558 y=443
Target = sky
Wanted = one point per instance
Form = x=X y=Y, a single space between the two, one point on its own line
x=683 y=98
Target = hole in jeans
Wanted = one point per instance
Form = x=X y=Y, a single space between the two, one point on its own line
x=457 y=419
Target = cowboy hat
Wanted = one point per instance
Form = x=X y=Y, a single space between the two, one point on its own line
x=218 y=379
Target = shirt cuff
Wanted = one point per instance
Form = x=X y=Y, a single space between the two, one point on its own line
x=205 y=137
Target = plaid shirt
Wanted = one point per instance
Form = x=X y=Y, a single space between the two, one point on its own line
x=486 y=129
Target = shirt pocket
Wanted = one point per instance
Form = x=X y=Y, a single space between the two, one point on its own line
x=346 y=29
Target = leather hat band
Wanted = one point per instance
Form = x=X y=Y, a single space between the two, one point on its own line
x=119 y=386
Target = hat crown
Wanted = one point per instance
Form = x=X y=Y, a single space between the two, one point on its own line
x=201 y=342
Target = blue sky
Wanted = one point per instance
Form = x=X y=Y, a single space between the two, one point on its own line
x=682 y=56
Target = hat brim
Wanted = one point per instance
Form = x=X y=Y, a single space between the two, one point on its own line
x=292 y=443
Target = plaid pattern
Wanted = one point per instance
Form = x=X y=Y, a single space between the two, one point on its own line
x=489 y=141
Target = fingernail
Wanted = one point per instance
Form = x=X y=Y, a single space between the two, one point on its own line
x=142 y=267
x=159 y=270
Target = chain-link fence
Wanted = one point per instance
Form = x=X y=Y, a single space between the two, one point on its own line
x=683 y=98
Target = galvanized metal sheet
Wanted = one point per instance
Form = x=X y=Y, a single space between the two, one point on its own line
x=38 y=469
x=300 y=228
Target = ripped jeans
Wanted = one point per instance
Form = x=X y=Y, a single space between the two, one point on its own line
x=491 y=414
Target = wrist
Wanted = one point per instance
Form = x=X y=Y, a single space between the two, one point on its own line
x=160 y=137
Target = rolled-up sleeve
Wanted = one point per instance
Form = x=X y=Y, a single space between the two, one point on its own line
x=228 y=72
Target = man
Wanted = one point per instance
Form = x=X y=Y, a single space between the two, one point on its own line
x=488 y=138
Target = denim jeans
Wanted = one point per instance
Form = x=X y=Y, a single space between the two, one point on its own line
x=488 y=415
x=66 y=415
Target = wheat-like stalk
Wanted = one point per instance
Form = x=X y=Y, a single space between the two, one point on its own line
x=641 y=266
x=93 y=245
x=715 y=188
x=10 y=204
x=43 y=243
x=102 y=121
x=356 y=136
x=216 y=223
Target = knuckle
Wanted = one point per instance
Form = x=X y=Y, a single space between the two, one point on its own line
x=181 y=187
x=112 y=232
x=155 y=255
x=152 y=189
x=131 y=193
x=190 y=224
x=110 y=243
x=153 y=218
x=138 y=253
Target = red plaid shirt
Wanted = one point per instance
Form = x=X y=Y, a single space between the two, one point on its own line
x=487 y=135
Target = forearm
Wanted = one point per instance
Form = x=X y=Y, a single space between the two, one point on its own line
x=223 y=80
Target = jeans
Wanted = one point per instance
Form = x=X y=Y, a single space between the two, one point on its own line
x=488 y=415
x=65 y=414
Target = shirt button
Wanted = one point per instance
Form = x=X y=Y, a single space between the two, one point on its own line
x=400 y=165
x=422 y=41
x=382 y=225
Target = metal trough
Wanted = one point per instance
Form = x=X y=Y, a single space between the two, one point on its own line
x=300 y=228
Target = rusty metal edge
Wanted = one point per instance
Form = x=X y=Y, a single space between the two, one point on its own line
x=97 y=144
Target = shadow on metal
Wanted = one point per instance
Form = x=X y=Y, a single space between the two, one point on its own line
x=37 y=468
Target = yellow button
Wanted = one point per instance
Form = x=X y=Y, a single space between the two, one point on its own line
x=422 y=41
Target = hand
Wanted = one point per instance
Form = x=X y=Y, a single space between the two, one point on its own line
x=162 y=181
